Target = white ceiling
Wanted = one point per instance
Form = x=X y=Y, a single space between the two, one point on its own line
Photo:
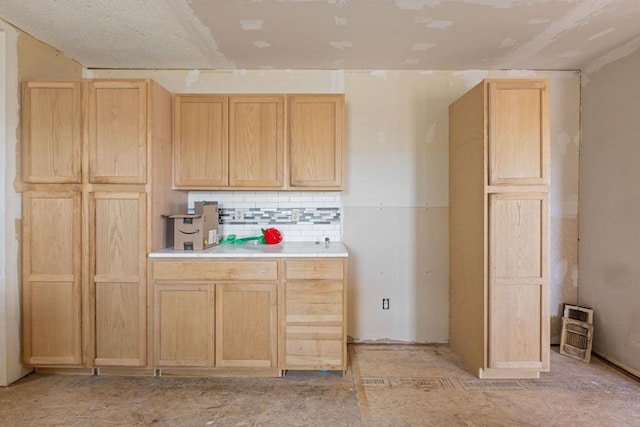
x=330 y=34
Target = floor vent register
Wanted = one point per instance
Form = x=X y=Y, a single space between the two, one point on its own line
x=577 y=332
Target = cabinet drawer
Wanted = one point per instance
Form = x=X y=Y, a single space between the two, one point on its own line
x=313 y=346
x=215 y=270
x=314 y=302
x=314 y=269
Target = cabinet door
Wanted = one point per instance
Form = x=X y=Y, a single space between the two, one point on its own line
x=118 y=276
x=51 y=132
x=316 y=141
x=518 y=281
x=246 y=325
x=518 y=133
x=256 y=141
x=183 y=324
x=117 y=132
x=200 y=141
x=51 y=285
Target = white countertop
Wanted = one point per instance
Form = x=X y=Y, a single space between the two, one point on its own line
x=252 y=250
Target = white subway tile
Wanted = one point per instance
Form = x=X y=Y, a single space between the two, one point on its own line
x=244 y=205
x=301 y=199
x=288 y=205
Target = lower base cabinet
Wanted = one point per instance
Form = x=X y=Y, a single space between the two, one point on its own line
x=252 y=318
x=315 y=302
x=213 y=317
x=246 y=325
x=183 y=324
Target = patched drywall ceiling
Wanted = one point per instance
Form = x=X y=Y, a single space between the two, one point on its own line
x=330 y=34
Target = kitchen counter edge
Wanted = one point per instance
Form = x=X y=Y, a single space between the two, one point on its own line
x=280 y=250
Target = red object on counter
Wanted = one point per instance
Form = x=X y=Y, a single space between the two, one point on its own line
x=272 y=236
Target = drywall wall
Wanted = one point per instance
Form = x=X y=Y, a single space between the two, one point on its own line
x=10 y=368
x=610 y=208
x=396 y=200
x=39 y=60
x=21 y=57
x=395 y=203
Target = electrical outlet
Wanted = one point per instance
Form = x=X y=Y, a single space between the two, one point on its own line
x=385 y=303
x=239 y=215
x=295 y=215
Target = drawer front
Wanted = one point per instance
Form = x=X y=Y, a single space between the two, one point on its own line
x=215 y=270
x=314 y=347
x=314 y=302
x=314 y=269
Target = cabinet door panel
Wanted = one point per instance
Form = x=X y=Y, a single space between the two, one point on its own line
x=246 y=325
x=314 y=302
x=256 y=135
x=517 y=231
x=117 y=240
x=200 y=141
x=518 y=133
x=316 y=140
x=518 y=281
x=119 y=338
x=117 y=132
x=52 y=132
x=314 y=347
x=51 y=278
x=184 y=325
x=516 y=337
x=314 y=269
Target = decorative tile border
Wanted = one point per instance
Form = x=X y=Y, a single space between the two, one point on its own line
x=280 y=216
x=319 y=214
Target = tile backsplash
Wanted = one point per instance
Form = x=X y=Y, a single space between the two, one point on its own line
x=300 y=216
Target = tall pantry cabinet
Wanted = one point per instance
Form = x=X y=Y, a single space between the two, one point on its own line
x=96 y=158
x=499 y=228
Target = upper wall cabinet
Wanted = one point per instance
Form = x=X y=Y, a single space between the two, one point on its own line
x=518 y=128
x=52 y=132
x=117 y=132
x=224 y=142
x=256 y=133
x=200 y=141
x=316 y=141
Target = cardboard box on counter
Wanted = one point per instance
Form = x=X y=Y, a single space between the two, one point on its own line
x=192 y=232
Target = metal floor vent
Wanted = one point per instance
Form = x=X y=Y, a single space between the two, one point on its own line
x=577 y=332
x=374 y=382
x=422 y=382
x=490 y=384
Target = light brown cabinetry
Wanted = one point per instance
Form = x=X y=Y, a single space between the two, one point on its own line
x=215 y=314
x=51 y=278
x=316 y=134
x=52 y=132
x=223 y=141
x=117 y=276
x=499 y=228
x=184 y=324
x=248 y=317
x=85 y=244
x=314 y=314
x=200 y=141
x=257 y=142
x=246 y=325
x=118 y=131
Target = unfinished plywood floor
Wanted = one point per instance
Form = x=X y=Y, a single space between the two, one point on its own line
x=391 y=385
x=400 y=385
